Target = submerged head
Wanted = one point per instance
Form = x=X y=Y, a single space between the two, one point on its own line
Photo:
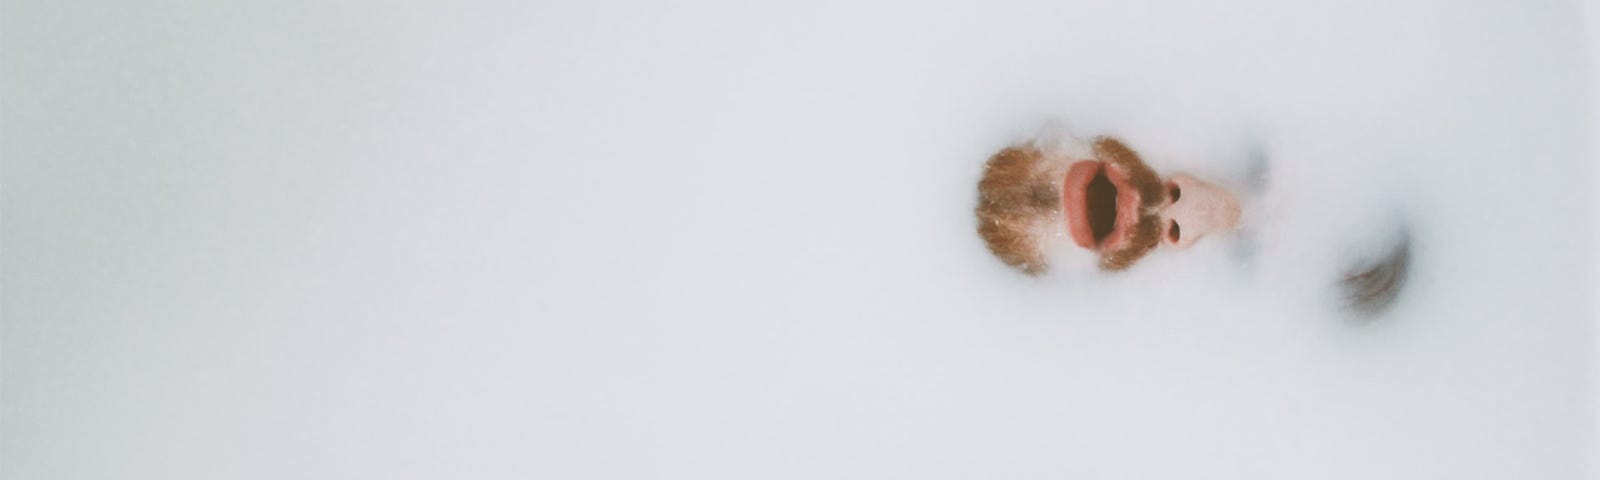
x=1112 y=205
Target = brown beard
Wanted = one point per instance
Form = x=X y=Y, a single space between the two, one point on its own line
x=1146 y=233
x=1014 y=195
x=1019 y=191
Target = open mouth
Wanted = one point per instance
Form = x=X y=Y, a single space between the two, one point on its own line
x=1100 y=204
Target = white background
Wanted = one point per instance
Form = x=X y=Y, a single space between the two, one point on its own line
x=723 y=240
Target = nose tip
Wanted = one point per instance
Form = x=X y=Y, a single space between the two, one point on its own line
x=1197 y=208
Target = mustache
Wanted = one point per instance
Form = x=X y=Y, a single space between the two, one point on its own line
x=1141 y=176
x=1146 y=232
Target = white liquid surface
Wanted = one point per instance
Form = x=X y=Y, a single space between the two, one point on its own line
x=610 y=240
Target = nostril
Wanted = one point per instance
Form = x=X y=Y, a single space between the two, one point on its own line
x=1172 y=232
x=1173 y=192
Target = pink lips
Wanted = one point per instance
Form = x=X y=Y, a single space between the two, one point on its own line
x=1074 y=201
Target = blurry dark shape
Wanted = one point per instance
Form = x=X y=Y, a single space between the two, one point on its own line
x=1257 y=170
x=1369 y=290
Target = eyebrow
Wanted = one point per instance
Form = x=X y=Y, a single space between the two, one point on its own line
x=1370 y=290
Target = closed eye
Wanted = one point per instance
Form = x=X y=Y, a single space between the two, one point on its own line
x=1371 y=289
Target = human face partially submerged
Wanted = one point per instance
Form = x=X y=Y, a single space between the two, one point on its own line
x=1107 y=202
x=1052 y=203
x=1117 y=206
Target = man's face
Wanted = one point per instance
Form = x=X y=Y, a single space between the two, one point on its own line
x=1117 y=206
x=1110 y=203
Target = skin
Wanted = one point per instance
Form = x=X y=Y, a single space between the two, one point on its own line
x=1148 y=211
x=1118 y=208
x=1185 y=209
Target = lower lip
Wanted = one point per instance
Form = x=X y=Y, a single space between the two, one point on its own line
x=1073 y=192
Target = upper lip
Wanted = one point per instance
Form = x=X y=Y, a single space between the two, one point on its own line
x=1076 y=202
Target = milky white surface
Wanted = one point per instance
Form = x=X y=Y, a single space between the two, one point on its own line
x=563 y=239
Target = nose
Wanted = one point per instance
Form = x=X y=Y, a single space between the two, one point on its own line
x=1196 y=208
